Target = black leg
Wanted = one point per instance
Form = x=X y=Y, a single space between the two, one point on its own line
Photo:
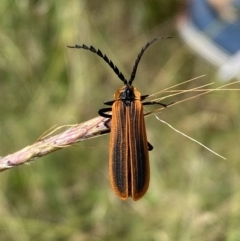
x=110 y=102
x=102 y=113
x=105 y=132
x=108 y=125
x=150 y=147
x=143 y=97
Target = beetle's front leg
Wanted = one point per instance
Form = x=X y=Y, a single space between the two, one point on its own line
x=109 y=102
x=102 y=112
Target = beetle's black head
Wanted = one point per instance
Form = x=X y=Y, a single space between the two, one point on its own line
x=127 y=95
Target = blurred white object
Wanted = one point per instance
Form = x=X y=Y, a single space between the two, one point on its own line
x=213 y=34
x=231 y=69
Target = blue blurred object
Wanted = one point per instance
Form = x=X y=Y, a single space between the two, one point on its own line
x=214 y=35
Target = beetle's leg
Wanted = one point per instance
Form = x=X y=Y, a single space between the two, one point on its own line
x=143 y=97
x=102 y=112
x=150 y=147
x=109 y=102
x=157 y=103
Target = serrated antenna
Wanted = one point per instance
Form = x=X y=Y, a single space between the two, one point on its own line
x=103 y=56
x=140 y=56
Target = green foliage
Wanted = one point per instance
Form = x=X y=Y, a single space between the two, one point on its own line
x=193 y=195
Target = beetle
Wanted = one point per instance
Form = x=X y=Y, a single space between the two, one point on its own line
x=129 y=169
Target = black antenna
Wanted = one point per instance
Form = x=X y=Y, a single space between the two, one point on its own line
x=140 y=56
x=103 y=56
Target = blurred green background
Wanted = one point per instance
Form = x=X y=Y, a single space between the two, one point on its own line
x=193 y=194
